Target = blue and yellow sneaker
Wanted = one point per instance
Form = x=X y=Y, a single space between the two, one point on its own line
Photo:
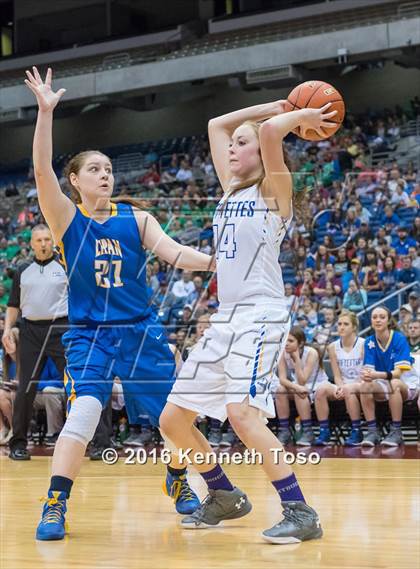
x=52 y=525
x=324 y=438
x=355 y=439
x=185 y=499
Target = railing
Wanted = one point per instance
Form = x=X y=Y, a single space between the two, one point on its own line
x=127 y=162
x=411 y=128
x=116 y=60
x=397 y=293
x=408 y=9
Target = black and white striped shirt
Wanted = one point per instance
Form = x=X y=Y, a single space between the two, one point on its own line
x=39 y=290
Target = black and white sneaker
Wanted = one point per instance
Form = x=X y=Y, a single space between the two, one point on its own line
x=300 y=523
x=218 y=506
x=50 y=440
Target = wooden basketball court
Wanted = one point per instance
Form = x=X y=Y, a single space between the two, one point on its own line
x=119 y=518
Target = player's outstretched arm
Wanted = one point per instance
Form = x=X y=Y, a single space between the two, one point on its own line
x=221 y=128
x=57 y=209
x=156 y=240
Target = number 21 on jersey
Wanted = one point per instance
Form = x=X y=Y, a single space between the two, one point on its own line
x=106 y=271
x=225 y=242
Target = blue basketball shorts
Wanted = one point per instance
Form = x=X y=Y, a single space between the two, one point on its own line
x=137 y=353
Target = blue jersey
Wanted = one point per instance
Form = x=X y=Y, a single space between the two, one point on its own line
x=106 y=268
x=396 y=353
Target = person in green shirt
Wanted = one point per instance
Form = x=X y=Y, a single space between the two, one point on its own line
x=414 y=336
x=4 y=298
x=13 y=248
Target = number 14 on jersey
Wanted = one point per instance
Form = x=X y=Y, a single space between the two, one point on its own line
x=224 y=243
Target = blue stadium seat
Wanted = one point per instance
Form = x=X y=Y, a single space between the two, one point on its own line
x=374 y=296
x=392 y=303
x=323 y=219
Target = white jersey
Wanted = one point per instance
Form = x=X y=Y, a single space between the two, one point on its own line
x=317 y=376
x=350 y=363
x=247 y=238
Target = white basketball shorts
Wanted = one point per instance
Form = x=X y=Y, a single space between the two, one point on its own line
x=234 y=360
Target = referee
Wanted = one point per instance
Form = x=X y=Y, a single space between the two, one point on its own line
x=39 y=293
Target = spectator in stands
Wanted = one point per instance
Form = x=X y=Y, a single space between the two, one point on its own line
x=300 y=262
x=326 y=332
x=173 y=166
x=355 y=299
x=330 y=299
x=407 y=274
x=160 y=269
x=300 y=373
x=389 y=219
x=361 y=250
x=151 y=175
x=414 y=301
x=183 y=287
x=403 y=242
x=414 y=336
x=328 y=276
x=351 y=223
x=386 y=361
x=203 y=323
x=164 y=300
x=186 y=322
x=362 y=213
x=394 y=178
x=389 y=275
x=415 y=258
x=355 y=274
x=415 y=231
x=404 y=318
x=346 y=357
x=181 y=344
x=381 y=236
x=341 y=264
x=289 y=297
x=184 y=174
x=371 y=281
x=329 y=242
x=152 y=279
x=308 y=281
x=308 y=310
x=205 y=247
x=321 y=259
x=287 y=255
x=198 y=292
x=189 y=234
x=364 y=232
x=334 y=225
x=399 y=197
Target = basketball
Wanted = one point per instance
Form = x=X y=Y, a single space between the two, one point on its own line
x=182 y=221
x=314 y=95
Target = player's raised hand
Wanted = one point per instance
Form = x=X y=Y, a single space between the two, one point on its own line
x=46 y=98
x=317 y=118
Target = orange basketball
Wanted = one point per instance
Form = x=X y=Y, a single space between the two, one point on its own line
x=314 y=95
